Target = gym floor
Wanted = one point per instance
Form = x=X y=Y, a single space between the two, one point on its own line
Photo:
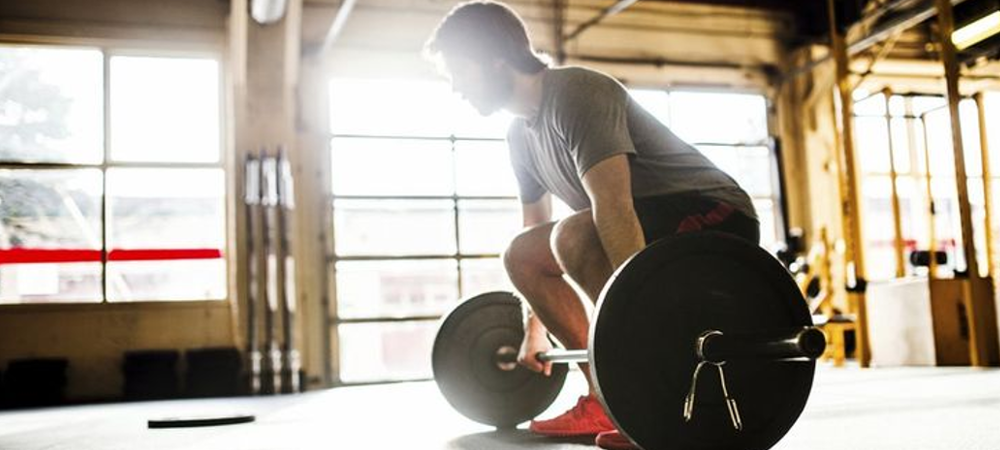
x=850 y=408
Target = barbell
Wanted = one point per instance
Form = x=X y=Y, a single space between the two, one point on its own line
x=713 y=347
x=684 y=309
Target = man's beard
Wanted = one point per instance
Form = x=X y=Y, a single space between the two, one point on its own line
x=496 y=92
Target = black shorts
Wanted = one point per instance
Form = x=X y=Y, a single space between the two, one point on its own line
x=667 y=215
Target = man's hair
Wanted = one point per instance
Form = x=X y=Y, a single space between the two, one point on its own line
x=483 y=30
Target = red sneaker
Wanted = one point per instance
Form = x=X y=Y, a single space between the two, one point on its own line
x=587 y=418
x=615 y=440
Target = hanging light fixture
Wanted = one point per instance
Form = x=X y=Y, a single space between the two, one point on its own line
x=977 y=30
x=267 y=12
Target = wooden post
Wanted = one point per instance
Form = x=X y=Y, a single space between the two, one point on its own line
x=984 y=148
x=854 y=254
x=980 y=310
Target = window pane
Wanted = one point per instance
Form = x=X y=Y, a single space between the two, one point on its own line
x=969 y=116
x=915 y=133
x=374 y=289
x=470 y=123
x=913 y=211
x=164 y=109
x=165 y=280
x=702 y=117
x=50 y=208
x=977 y=201
x=991 y=104
x=386 y=351
x=878 y=222
x=994 y=200
x=394 y=227
x=901 y=145
x=654 y=101
x=50 y=283
x=872 y=139
x=391 y=167
x=947 y=222
x=723 y=156
x=751 y=167
x=487 y=226
x=406 y=108
x=484 y=275
x=768 y=222
x=166 y=237
x=897 y=106
x=50 y=238
x=755 y=174
x=879 y=227
x=51 y=105
x=869 y=105
x=924 y=104
x=483 y=169
x=938 y=130
x=560 y=210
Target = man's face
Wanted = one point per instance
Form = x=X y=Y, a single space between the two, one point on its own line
x=487 y=87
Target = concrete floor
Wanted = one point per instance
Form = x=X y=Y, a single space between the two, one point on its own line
x=880 y=409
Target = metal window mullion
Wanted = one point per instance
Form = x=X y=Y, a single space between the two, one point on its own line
x=106 y=61
x=897 y=225
x=882 y=116
x=454 y=205
x=109 y=163
x=419 y=197
x=451 y=138
x=47 y=165
x=390 y=319
x=165 y=165
x=736 y=145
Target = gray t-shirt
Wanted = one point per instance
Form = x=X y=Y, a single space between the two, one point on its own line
x=587 y=116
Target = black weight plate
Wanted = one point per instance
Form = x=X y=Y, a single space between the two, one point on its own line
x=466 y=370
x=199 y=421
x=642 y=346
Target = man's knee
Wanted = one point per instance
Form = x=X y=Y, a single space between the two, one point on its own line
x=575 y=241
x=528 y=253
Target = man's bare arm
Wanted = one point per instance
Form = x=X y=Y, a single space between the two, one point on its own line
x=538 y=212
x=609 y=186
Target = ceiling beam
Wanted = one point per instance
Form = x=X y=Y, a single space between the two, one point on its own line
x=337 y=26
x=616 y=8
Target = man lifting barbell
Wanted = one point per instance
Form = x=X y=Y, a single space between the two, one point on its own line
x=578 y=135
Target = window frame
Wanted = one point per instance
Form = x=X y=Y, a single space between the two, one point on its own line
x=779 y=198
x=110 y=48
x=918 y=174
x=333 y=319
x=332 y=258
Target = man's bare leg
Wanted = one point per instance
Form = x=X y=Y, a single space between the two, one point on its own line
x=535 y=273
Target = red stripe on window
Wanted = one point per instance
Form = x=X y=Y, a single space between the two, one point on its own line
x=38 y=255
x=164 y=254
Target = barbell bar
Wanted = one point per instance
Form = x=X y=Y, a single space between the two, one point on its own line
x=713 y=346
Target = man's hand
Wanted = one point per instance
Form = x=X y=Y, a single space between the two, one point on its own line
x=609 y=186
x=535 y=340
